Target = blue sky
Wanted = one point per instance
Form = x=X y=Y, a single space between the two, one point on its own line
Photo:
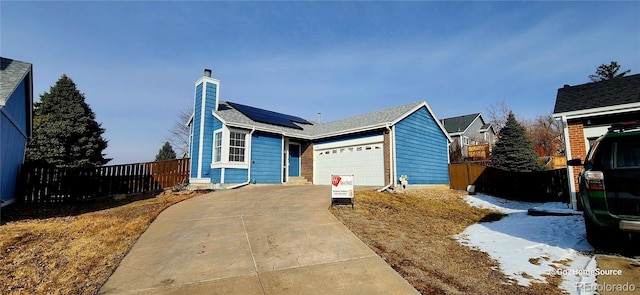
x=137 y=62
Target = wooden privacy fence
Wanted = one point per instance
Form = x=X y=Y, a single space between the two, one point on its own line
x=46 y=184
x=536 y=186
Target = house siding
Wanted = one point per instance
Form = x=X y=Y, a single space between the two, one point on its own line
x=12 y=147
x=201 y=159
x=216 y=175
x=421 y=149
x=16 y=107
x=266 y=158
x=235 y=175
x=195 y=145
x=13 y=131
x=210 y=124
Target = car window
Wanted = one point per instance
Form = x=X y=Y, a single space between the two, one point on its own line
x=589 y=161
x=627 y=154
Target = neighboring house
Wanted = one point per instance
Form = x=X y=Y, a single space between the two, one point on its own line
x=588 y=110
x=237 y=144
x=470 y=130
x=16 y=105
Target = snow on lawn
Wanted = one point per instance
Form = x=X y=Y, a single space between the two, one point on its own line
x=528 y=247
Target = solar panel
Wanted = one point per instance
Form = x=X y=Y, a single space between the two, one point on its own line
x=269 y=117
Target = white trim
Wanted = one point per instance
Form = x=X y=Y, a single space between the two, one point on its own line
x=7 y=202
x=284 y=159
x=285 y=162
x=472 y=121
x=433 y=115
x=349 y=142
x=230 y=165
x=394 y=168
x=616 y=109
x=202 y=113
x=213 y=152
x=199 y=180
x=567 y=152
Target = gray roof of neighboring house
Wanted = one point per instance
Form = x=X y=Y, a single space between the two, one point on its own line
x=375 y=120
x=11 y=73
x=617 y=91
x=460 y=123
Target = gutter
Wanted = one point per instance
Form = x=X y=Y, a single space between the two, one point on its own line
x=248 y=169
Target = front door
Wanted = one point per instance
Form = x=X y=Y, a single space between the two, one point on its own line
x=294 y=160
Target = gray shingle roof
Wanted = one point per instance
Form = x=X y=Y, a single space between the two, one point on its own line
x=460 y=123
x=11 y=73
x=374 y=120
x=606 y=93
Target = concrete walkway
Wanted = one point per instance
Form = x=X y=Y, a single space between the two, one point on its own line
x=254 y=240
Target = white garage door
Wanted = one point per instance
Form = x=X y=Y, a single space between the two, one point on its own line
x=364 y=158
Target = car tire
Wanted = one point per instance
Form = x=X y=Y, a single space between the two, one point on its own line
x=596 y=236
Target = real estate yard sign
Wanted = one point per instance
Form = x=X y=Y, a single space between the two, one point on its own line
x=342 y=188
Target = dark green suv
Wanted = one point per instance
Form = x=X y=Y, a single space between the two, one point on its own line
x=610 y=184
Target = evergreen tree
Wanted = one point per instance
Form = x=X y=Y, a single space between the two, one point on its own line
x=166 y=152
x=608 y=72
x=514 y=151
x=65 y=131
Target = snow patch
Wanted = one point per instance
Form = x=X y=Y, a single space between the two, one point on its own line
x=530 y=247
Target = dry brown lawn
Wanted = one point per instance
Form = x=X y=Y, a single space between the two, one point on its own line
x=74 y=253
x=413 y=233
x=630 y=273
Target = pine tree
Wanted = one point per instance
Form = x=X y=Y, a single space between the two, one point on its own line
x=166 y=152
x=513 y=151
x=65 y=131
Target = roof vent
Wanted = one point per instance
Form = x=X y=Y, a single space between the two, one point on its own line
x=207 y=73
x=567 y=85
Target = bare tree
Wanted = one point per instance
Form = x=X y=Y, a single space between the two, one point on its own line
x=546 y=135
x=498 y=114
x=180 y=133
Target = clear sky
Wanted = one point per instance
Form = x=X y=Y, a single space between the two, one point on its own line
x=137 y=62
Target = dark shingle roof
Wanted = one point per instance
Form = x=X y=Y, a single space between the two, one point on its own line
x=11 y=73
x=606 y=93
x=460 y=123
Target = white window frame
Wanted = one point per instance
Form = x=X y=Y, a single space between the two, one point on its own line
x=217 y=145
x=237 y=157
x=226 y=148
x=465 y=140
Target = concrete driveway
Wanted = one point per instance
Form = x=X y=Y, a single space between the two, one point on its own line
x=254 y=240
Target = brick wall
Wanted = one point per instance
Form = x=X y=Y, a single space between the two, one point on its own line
x=578 y=147
x=306 y=159
x=386 y=149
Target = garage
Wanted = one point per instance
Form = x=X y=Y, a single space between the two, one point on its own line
x=362 y=157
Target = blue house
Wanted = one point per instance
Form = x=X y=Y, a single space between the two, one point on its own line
x=16 y=105
x=235 y=144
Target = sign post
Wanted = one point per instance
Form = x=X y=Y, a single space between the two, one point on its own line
x=342 y=189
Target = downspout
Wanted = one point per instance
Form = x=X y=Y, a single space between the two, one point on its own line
x=567 y=152
x=249 y=161
x=390 y=161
